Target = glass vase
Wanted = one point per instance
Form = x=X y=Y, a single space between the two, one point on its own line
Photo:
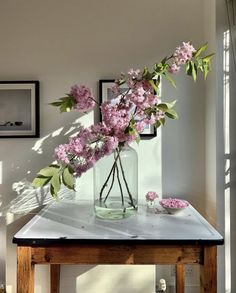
x=116 y=184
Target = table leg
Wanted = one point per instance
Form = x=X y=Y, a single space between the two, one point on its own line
x=209 y=270
x=55 y=278
x=25 y=270
x=179 y=278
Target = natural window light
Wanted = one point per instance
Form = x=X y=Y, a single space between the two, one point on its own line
x=227 y=161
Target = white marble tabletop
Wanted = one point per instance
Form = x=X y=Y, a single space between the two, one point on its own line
x=74 y=221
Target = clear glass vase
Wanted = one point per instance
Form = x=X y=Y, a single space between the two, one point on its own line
x=116 y=184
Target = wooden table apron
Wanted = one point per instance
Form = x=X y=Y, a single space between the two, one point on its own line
x=57 y=251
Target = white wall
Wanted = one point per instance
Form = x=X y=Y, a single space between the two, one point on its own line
x=64 y=42
x=210 y=114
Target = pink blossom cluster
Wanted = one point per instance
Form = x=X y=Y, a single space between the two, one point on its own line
x=174 y=203
x=151 y=196
x=138 y=98
x=181 y=56
x=85 y=149
x=115 y=117
x=123 y=118
x=84 y=100
x=142 y=96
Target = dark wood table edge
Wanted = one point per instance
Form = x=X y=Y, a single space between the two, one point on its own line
x=132 y=241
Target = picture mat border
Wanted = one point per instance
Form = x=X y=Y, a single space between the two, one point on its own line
x=33 y=85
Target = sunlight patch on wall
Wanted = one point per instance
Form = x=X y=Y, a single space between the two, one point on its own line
x=72 y=128
x=57 y=132
x=117 y=278
x=38 y=145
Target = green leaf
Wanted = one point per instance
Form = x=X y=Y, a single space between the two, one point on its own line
x=170 y=113
x=71 y=170
x=156 y=79
x=163 y=61
x=162 y=121
x=132 y=131
x=68 y=179
x=157 y=124
x=54 y=166
x=147 y=74
x=64 y=108
x=200 y=64
x=158 y=67
x=57 y=103
x=152 y=83
x=206 y=69
x=200 y=50
x=137 y=139
x=170 y=79
x=189 y=68
x=208 y=57
x=67 y=105
x=52 y=191
x=171 y=104
x=165 y=106
x=40 y=181
x=55 y=184
x=48 y=171
x=194 y=71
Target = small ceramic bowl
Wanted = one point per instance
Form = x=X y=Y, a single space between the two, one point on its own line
x=174 y=205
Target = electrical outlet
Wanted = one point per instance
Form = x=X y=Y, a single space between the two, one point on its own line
x=187 y=268
x=188 y=271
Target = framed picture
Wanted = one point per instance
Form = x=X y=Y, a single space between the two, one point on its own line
x=106 y=94
x=19 y=109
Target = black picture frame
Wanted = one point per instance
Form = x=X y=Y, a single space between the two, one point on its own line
x=19 y=109
x=105 y=94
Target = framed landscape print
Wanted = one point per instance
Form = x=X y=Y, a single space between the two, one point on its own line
x=106 y=94
x=19 y=109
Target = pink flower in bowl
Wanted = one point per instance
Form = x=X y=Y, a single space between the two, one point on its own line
x=174 y=205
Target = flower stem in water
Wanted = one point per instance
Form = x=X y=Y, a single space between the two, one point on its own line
x=121 y=190
x=112 y=182
x=126 y=184
x=108 y=177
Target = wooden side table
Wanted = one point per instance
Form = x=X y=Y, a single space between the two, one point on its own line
x=68 y=233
